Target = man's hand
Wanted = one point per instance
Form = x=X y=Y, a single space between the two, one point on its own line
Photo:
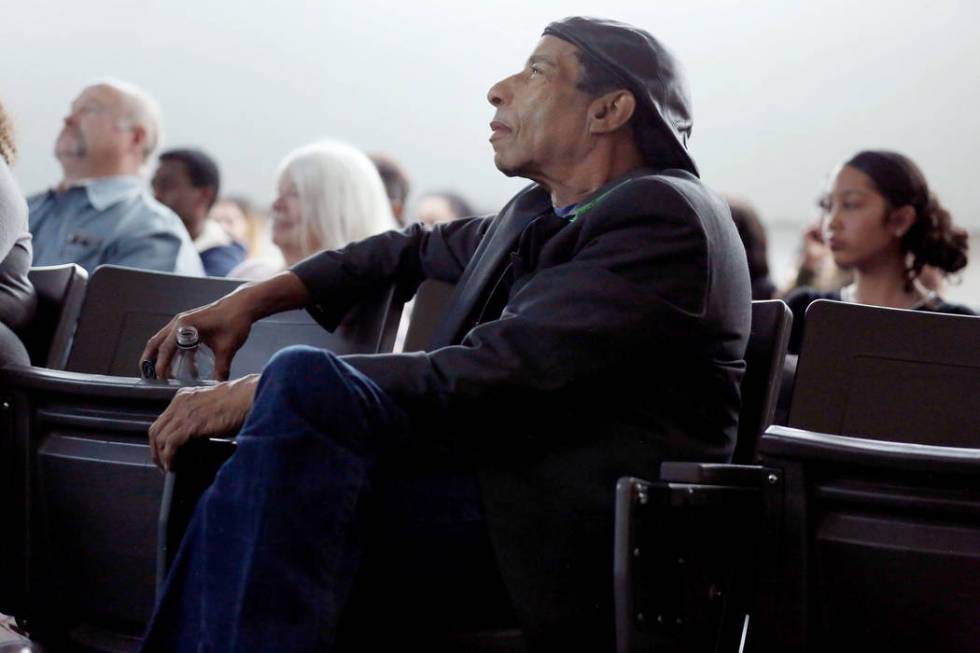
x=224 y=325
x=212 y=411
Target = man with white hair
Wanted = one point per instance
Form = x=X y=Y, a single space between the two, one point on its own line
x=101 y=211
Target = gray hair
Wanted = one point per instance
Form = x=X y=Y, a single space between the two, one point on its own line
x=141 y=110
x=341 y=195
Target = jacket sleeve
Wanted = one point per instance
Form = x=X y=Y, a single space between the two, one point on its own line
x=13 y=211
x=338 y=279
x=637 y=285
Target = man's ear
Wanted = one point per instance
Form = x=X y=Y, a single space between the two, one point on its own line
x=901 y=220
x=138 y=137
x=609 y=112
x=209 y=195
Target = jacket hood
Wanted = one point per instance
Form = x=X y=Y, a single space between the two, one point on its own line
x=651 y=73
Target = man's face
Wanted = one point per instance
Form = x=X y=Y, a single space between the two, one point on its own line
x=541 y=122
x=172 y=187
x=95 y=130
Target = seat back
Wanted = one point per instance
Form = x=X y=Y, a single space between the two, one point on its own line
x=60 y=290
x=771 y=324
x=199 y=462
x=879 y=546
x=81 y=536
x=431 y=300
x=878 y=536
x=696 y=605
x=124 y=307
x=885 y=373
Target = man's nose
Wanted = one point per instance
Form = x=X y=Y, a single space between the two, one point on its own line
x=499 y=93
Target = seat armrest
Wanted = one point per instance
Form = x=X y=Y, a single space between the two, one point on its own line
x=712 y=474
x=781 y=442
x=90 y=385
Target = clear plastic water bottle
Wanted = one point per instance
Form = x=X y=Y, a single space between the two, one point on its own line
x=192 y=361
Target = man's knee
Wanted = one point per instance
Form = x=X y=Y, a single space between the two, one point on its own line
x=311 y=382
x=299 y=366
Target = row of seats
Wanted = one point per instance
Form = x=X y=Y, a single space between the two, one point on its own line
x=775 y=552
x=855 y=528
x=78 y=554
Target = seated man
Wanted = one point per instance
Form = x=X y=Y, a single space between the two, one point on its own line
x=187 y=182
x=101 y=212
x=598 y=327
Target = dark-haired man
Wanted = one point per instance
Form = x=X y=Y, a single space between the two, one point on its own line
x=597 y=328
x=187 y=181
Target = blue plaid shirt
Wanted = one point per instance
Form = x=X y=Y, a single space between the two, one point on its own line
x=110 y=220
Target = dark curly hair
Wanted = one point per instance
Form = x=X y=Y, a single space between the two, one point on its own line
x=932 y=239
x=8 y=150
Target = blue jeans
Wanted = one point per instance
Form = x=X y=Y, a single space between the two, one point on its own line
x=277 y=542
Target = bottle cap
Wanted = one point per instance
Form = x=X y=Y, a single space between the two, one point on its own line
x=187 y=336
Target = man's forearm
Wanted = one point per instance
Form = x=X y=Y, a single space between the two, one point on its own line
x=283 y=292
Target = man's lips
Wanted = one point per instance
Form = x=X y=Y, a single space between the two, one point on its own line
x=499 y=130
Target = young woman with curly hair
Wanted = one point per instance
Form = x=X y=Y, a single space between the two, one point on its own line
x=883 y=224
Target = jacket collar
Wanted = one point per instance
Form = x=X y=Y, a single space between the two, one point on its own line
x=490 y=258
x=103 y=192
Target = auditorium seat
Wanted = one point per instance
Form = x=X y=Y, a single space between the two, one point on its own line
x=60 y=290
x=79 y=548
x=876 y=545
x=859 y=528
x=702 y=590
x=431 y=300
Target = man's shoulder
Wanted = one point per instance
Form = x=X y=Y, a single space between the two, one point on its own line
x=35 y=201
x=142 y=216
x=667 y=186
x=39 y=196
x=660 y=198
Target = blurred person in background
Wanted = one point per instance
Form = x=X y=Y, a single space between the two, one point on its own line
x=101 y=211
x=239 y=218
x=815 y=266
x=329 y=195
x=17 y=298
x=437 y=208
x=396 y=183
x=882 y=223
x=431 y=209
x=753 y=236
x=187 y=182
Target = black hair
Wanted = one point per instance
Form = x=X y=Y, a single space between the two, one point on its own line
x=932 y=239
x=201 y=169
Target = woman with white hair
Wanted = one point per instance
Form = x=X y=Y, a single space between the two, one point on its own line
x=329 y=195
